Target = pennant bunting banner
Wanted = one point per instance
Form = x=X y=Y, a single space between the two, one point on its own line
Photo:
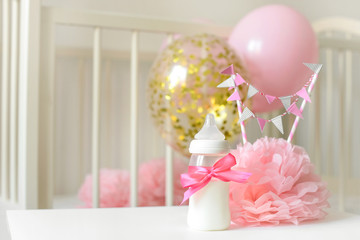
x=246 y=114
x=229 y=70
x=227 y=83
x=304 y=94
x=252 y=91
x=239 y=80
x=286 y=101
x=235 y=96
x=270 y=98
x=277 y=121
x=295 y=110
x=261 y=123
x=314 y=67
x=291 y=107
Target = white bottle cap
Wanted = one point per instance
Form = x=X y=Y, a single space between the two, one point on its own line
x=209 y=140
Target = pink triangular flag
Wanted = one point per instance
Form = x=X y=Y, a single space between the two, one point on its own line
x=235 y=96
x=304 y=94
x=295 y=110
x=261 y=123
x=270 y=98
x=239 y=80
x=229 y=70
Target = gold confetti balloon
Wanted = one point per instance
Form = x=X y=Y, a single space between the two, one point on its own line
x=182 y=89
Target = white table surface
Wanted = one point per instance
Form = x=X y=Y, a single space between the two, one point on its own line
x=161 y=223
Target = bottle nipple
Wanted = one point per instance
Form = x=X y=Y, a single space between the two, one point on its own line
x=209 y=131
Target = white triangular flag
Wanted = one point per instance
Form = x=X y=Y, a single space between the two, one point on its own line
x=246 y=114
x=314 y=67
x=252 y=91
x=228 y=82
x=277 y=121
x=286 y=101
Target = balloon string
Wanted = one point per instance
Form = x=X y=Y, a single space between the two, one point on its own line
x=242 y=124
x=297 y=119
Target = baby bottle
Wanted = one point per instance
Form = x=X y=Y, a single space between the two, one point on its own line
x=209 y=207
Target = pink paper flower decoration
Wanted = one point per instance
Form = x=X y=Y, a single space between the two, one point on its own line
x=115 y=185
x=283 y=187
x=114 y=189
x=152 y=182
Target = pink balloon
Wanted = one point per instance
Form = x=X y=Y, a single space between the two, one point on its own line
x=273 y=42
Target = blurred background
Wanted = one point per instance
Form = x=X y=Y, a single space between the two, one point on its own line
x=73 y=90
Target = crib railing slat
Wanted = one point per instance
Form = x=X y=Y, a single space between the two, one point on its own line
x=342 y=155
x=348 y=108
x=28 y=105
x=5 y=97
x=329 y=110
x=346 y=125
x=14 y=99
x=134 y=119
x=47 y=108
x=81 y=87
x=95 y=133
x=169 y=162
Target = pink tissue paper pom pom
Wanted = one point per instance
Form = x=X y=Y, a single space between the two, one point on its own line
x=152 y=182
x=115 y=185
x=114 y=189
x=283 y=187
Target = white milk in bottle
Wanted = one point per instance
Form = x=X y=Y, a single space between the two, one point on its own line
x=209 y=207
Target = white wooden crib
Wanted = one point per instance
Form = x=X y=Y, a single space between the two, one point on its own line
x=30 y=101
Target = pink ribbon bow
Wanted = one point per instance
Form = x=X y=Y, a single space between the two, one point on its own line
x=197 y=176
